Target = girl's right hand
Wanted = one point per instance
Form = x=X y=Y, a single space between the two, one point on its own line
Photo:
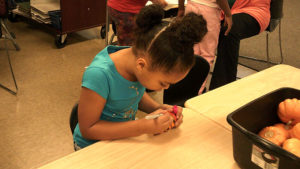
x=160 y=124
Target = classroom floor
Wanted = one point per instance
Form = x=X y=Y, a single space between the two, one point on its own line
x=34 y=124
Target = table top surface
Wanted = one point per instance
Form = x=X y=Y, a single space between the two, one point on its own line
x=197 y=143
x=204 y=140
x=218 y=103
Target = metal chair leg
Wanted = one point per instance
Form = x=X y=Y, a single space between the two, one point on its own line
x=9 y=36
x=12 y=73
x=111 y=39
x=107 y=23
x=106 y=26
x=268 y=61
x=280 y=46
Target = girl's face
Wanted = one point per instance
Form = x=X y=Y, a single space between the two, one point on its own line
x=157 y=80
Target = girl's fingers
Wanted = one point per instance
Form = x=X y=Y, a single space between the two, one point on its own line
x=179 y=121
x=164 y=118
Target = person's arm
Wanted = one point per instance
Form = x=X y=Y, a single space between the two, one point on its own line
x=180 y=8
x=223 y=4
x=90 y=109
x=162 y=3
x=147 y=104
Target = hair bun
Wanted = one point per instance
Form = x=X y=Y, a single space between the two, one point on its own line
x=149 y=16
x=190 y=29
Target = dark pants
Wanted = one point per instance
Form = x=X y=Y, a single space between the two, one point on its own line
x=188 y=87
x=225 y=70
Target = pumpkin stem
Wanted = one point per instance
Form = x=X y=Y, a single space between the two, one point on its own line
x=289 y=122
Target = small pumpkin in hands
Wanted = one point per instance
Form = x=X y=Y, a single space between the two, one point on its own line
x=289 y=110
x=292 y=145
x=274 y=134
x=295 y=131
x=174 y=120
x=173 y=113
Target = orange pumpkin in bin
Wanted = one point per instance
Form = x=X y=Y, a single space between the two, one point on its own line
x=274 y=134
x=292 y=145
x=285 y=129
x=289 y=110
x=295 y=131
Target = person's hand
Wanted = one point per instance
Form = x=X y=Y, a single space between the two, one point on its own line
x=228 y=23
x=180 y=13
x=179 y=115
x=166 y=107
x=162 y=3
x=161 y=123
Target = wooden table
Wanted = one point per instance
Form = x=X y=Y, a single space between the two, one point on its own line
x=218 y=103
x=197 y=143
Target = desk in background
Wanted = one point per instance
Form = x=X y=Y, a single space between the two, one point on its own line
x=197 y=143
x=218 y=103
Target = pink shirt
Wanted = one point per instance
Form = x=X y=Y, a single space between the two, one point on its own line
x=210 y=3
x=130 y=6
x=259 y=9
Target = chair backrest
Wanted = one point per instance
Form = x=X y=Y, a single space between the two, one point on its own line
x=188 y=87
x=74 y=118
x=276 y=10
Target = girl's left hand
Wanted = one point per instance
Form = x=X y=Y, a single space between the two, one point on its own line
x=179 y=116
x=179 y=113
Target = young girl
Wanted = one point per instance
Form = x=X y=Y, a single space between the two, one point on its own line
x=113 y=85
x=211 y=11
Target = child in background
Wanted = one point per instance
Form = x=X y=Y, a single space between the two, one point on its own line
x=122 y=13
x=114 y=83
x=211 y=11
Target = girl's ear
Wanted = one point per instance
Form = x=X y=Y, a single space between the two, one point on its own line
x=141 y=63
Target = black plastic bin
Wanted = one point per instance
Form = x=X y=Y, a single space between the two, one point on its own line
x=250 y=151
